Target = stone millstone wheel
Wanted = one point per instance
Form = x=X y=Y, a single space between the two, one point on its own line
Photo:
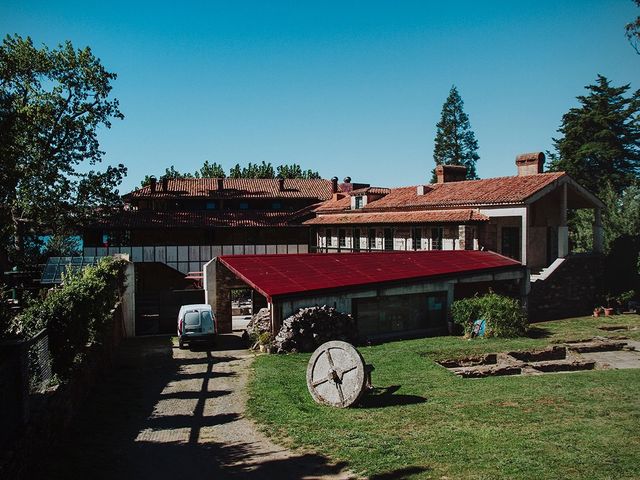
x=336 y=374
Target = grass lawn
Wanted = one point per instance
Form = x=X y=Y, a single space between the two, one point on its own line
x=438 y=425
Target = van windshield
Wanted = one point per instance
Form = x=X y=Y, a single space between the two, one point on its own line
x=205 y=315
x=191 y=319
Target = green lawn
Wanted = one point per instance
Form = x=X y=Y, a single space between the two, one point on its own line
x=570 y=425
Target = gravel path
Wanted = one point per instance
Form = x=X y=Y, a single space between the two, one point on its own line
x=171 y=413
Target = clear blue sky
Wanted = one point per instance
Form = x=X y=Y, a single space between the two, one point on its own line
x=345 y=88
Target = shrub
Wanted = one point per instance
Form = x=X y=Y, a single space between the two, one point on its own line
x=503 y=315
x=264 y=338
x=75 y=314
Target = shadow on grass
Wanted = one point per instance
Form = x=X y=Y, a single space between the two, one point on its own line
x=387 y=397
x=400 y=474
x=538 y=332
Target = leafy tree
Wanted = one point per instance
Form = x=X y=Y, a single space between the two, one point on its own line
x=632 y=30
x=210 y=170
x=170 y=173
x=295 y=171
x=52 y=101
x=601 y=138
x=455 y=142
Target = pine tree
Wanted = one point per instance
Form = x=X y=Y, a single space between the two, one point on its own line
x=455 y=142
x=601 y=138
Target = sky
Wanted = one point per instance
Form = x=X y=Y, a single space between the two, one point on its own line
x=347 y=88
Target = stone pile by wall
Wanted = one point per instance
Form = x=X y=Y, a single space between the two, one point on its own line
x=259 y=324
x=310 y=327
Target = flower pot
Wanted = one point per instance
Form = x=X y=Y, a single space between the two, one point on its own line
x=608 y=312
x=596 y=312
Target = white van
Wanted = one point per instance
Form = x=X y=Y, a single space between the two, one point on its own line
x=196 y=323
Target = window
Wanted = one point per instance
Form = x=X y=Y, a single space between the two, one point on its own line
x=327 y=236
x=359 y=202
x=211 y=205
x=417 y=238
x=436 y=238
x=116 y=238
x=342 y=238
x=372 y=239
x=511 y=242
x=276 y=206
x=244 y=206
x=388 y=239
x=356 y=240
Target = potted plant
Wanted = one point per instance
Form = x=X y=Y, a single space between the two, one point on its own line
x=265 y=341
x=597 y=311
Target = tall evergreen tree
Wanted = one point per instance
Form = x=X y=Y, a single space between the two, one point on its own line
x=455 y=142
x=601 y=138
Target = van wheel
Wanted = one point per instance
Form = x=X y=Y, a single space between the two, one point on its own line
x=181 y=343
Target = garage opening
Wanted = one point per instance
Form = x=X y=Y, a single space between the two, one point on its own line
x=418 y=313
x=241 y=307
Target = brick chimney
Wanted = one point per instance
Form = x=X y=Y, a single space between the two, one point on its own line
x=334 y=185
x=153 y=181
x=451 y=173
x=165 y=184
x=281 y=184
x=530 y=163
x=220 y=183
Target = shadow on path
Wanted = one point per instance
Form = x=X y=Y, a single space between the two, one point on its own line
x=134 y=424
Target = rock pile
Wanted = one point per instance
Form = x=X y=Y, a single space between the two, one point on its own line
x=259 y=324
x=310 y=327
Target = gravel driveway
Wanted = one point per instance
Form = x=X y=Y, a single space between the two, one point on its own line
x=170 y=413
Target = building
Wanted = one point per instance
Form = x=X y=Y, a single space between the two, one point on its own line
x=523 y=217
x=389 y=294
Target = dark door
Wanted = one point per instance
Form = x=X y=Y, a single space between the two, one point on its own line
x=511 y=242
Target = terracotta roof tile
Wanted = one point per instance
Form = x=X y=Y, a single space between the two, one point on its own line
x=199 y=219
x=432 y=216
x=492 y=191
x=238 y=188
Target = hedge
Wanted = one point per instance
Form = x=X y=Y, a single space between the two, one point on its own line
x=504 y=316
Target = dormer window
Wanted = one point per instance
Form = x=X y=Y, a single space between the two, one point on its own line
x=359 y=202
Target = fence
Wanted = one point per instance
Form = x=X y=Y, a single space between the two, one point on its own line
x=25 y=369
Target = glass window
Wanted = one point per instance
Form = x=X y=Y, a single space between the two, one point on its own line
x=328 y=236
x=372 y=239
x=191 y=319
x=417 y=238
x=276 y=206
x=356 y=240
x=388 y=239
x=342 y=238
x=244 y=206
x=436 y=238
x=211 y=205
x=359 y=202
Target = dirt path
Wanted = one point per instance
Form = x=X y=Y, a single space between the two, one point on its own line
x=170 y=413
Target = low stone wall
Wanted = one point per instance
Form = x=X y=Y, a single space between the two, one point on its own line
x=571 y=290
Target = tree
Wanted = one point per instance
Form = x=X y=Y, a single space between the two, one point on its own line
x=632 y=30
x=210 y=170
x=295 y=171
x=52 y=101
x=169 y=173
x=455 y=142
x=601 y=138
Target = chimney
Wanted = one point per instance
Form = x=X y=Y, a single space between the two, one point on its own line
x=220 y=183
x=530 y=163
x=152 y=183
x=346 y=186
x=334 y=185
x=281 y=184
x=451 y=173
x=165 y=184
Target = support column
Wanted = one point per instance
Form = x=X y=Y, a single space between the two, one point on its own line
x=563 y=230
x=524 y=236
x=597 y=232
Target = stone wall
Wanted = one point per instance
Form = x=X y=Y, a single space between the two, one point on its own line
x=571 y=290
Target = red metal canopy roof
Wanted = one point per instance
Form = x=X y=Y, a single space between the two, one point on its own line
x=276 y=275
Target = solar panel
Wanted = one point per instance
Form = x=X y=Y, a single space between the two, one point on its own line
x=57 y=266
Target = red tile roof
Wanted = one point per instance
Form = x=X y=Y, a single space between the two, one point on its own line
x=492 y=191
x=200 y=219
x=238 y=188
x=430 y=216
x=274 y=275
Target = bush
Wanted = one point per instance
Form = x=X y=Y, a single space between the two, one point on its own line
x=75 y=314
x=503 y=315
